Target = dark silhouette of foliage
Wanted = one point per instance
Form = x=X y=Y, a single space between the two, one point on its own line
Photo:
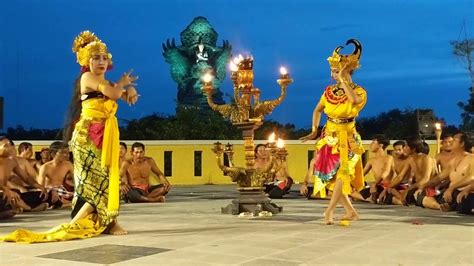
x=467 y=114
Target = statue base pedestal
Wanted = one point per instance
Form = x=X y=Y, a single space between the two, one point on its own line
x=251 y=200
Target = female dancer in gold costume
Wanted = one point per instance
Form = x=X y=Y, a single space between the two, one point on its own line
x=94 y=144
x=339 y=148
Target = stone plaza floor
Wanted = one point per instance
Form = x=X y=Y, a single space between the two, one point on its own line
x=190 y=230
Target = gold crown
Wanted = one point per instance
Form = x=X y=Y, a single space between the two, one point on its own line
x=86 y=45
x=337 y=60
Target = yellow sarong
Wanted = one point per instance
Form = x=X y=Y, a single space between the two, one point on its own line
x=96 y=177
x=343 y=139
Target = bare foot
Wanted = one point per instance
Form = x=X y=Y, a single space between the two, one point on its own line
x=40 y=208
x=116 y=229
x=350 y=216
x=22 y=205
x=158 y=199
x=328 y=220
x=445 y=207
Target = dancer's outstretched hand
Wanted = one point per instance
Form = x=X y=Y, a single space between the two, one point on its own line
x=127 y=79
x=131 y=95
x=310 y=136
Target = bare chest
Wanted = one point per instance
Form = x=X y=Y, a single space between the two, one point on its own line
x=55 y=176
x=459 y=171
x=379 y=166
x=139 y=170
x=399 y=165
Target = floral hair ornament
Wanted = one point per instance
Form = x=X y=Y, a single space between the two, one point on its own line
x=86 y=45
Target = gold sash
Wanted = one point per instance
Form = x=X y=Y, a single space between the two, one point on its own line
x=106 y=109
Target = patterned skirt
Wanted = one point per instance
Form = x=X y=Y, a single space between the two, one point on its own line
x=91 y=181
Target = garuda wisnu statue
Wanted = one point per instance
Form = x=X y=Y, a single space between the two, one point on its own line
x=197 y=55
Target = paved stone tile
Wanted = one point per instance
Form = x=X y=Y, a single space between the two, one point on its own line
x=104 y=254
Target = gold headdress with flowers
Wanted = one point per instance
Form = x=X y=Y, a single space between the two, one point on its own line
x=337 y=60
x=86 y=45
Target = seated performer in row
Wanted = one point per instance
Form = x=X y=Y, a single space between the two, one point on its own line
x=279 y=182
x=445 y=155
x=459 y=172
x=419 y=167
x=22 y=180
x=135 y=174
x=10 y=201
x=54 y=174
x=381 y=165
x=25 y=150
x=45 y=156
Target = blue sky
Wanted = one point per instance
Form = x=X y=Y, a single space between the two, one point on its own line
x=407 y=59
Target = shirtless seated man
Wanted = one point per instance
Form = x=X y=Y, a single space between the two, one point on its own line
x=420 y=167
x=460 y=172
x=403 y=176
x=445 y=155
x=22 y=180
x=25 y=150
x=8 y=198
x=45 y=156
x=54 y=174
x=135 y=173
x=11 y=201
x=278 y=183
x=381 y=165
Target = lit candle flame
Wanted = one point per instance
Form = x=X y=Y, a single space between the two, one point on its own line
x=271 y=139
x=280 y=143
x=236 y=60
x=208 y=77
x=438 y=126
x=283 y=71
x=233 y=66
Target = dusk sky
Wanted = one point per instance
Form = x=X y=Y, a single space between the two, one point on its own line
x=407 y=58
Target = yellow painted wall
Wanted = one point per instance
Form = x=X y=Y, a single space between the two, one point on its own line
x=183 y=159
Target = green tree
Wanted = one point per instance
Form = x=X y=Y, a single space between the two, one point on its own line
x=189 y=123
x=395 y=124
x=467 y=114
x=464 y=51
x=19 y=132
